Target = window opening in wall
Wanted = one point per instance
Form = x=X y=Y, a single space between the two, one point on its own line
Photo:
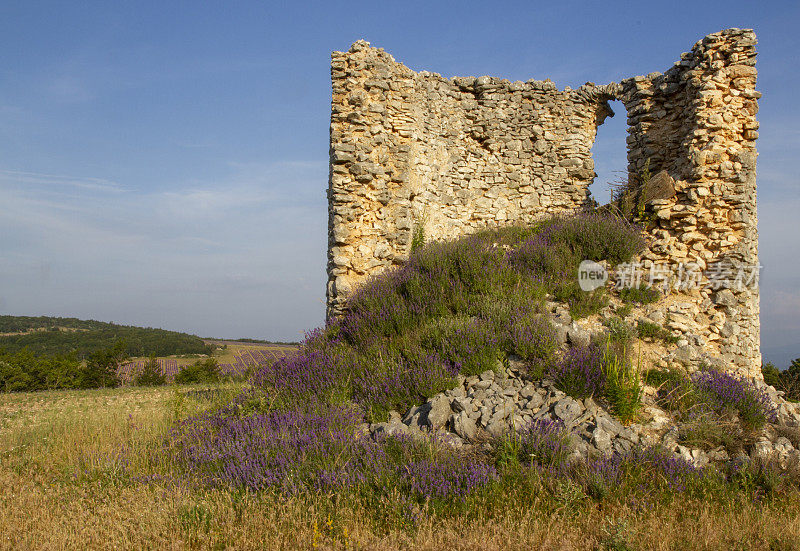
x=610 y=154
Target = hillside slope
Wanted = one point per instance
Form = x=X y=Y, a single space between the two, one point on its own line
x=46 y=335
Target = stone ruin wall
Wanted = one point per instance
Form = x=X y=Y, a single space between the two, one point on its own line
x=455 y=155
x=410 y=148
x=697 y=122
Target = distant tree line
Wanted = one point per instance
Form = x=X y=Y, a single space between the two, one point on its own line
x=93 y=336
x=25 y=371
x=787 y=380
x=14 y=324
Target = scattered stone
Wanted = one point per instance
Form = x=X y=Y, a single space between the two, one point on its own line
x=579 y=337
x=567 y=409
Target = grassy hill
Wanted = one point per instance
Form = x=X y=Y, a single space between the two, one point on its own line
x=46 y=335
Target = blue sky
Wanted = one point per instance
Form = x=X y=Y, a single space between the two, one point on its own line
x=165 y=163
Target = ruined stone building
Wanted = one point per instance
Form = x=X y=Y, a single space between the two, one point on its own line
x=409 y=148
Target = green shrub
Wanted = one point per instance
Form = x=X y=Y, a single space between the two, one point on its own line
x=787 y=380
x=26 y=371
x=101 y=367
x=708 y=431
x=14 y=378
x=418 y=234
x=640 y=295
x=581 y=303
x=533 y=337
x=625 y=310
x=658 y=377
x=151 y=374
x=619 y=331
x=674 y=389
x=653 y=331
x=623 y=387
x=201 y=371
x=771 y=374
x=469 y=343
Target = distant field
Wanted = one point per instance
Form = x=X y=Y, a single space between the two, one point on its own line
x=46 y=336
x=234 y=357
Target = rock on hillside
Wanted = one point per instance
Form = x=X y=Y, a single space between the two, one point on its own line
x=486 y=407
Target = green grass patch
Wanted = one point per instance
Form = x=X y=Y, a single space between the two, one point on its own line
x=639 y=295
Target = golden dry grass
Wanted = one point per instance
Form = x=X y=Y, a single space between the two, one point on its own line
x=61 y=487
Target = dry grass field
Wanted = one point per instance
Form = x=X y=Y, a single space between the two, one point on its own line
x=76 y=473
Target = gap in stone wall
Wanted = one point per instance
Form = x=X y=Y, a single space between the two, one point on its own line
x=610 y=153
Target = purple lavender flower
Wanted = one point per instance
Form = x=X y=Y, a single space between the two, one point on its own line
x=445 y=477
x=580 y=373
x=544 y=442
x=650 y=468
x=725 y=391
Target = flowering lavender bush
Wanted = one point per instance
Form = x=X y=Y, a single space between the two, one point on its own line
x=299 y=450
x=600 y=237
x=760 y=478
x=532 y=335
x=641 y=469
x=469 y=343
x=555 y=252
x=563 y=242
x=307 y=374
x=378 y=310
x=546 y=254
x=724 y=391
x=544 y=442
x=580 y=373
x=445 y=477
x=660 y=468
x=399 y=383
x=280 y=449
x=603 y=372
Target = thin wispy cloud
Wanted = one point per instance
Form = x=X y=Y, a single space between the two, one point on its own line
x=19 y=177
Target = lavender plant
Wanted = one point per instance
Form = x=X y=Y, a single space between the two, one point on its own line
x=281 y=449
x=544 y=442
x=445 y=477
x=642 y=470
x=401 y=383
x=580 y=373
x=469 y=343
x=532 y=336
x=724 y=391
x=602 y=371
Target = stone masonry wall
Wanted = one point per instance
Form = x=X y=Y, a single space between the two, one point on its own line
x=454 y=155
x=697 y=122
